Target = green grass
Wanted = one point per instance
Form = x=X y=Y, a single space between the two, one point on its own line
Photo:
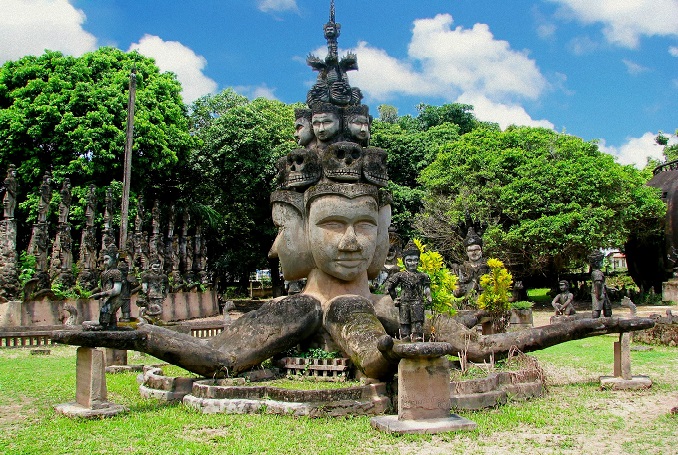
x=574 y=417
x=539 y=295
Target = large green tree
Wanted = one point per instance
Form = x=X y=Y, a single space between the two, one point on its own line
x=232 y=173
x=68 y=115
x=543 y=199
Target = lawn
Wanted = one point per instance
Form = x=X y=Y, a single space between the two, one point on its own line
x=574 y=417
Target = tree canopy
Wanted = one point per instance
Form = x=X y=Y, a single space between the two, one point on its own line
x=544 y=200
x=68 y=115
x=232 y=172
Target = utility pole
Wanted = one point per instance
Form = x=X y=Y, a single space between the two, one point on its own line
x=127 y=170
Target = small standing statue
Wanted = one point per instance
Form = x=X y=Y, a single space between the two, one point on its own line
x=66 y=198
x=154 y=284
x=91 y=206
x=9 y=200
x=562 y=303
x=110 y=296
x=45 y=197
x=600 y=300
x=414 y=287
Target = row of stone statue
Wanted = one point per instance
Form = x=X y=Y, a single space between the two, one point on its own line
x=183 y=258
x=563 y=303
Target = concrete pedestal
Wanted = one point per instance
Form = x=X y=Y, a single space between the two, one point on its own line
x=423 y=392
x=90 y=383
x=622 y=379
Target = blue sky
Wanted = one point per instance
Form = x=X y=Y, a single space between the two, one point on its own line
x=598 y=69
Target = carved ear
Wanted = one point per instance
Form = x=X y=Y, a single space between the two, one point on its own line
x=383 y=243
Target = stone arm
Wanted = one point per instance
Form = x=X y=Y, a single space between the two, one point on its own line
x=391 y=287
x=246 y=342
x=598 y=288
x=115 y=290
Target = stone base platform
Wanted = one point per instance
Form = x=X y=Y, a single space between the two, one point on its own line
x=209 y=396
x=391 y=424
x=618 y=383
x=105 y=409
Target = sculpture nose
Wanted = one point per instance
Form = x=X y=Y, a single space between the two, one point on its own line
x=349 y=242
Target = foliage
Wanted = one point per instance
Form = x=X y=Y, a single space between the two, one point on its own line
x=315 y=353
x=68 y=115
x=544 y=199
x=231 y=172
x=670 y=151
x=443 y=281
x=27 y=269
x=495 y=286
x=521 y=305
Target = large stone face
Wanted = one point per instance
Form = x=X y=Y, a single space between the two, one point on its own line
x=343 y=234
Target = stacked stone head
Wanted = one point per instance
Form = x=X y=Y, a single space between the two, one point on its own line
x=334 y=162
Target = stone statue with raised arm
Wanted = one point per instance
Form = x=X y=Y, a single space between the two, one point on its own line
x=110 y=295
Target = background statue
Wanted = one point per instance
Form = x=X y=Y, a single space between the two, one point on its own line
x=91 y=207
x=45 y=197
x=470 y=271
x=9 y=200
x=154 y=286
x=599 y=299
x=65 y=203
x=414 y=288
x=562 y=303
x=111 y=285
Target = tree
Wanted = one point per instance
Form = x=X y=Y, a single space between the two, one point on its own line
x=232 y=173
x=544 y=199
x=68 y=115
x=670 y=151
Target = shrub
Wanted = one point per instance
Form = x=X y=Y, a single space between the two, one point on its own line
x=495 y=285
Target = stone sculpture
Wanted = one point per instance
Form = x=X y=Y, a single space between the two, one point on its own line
x=470 y=271
x=562 y=303
x=154 y=286
x=110 y=295
x=415 y=287
x=45 y=197
x=599 y=299
x=333 y=230
x=66 y=199
x=9 y=199
x=303 y=129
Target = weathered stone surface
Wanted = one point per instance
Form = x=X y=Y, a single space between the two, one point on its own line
x=90 y=381
x=76 y=410
x=422 y=350
x=478 y=400
x=423 y=388
x=391 y=424
x=617 y=383
x=364 y=400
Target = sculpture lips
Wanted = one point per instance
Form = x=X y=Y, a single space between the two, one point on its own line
x=350 y=263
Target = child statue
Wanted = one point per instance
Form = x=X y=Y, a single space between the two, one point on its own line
x=414 y=287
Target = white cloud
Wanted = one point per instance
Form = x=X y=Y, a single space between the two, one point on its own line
x=636 y=150
x=546 y=30
x=581 y=45
x=503 y=114
x=182 y=61
x=634 y=68
x=473 y=60
x=624 y=22
x=258 y=91
x=673 y=50
x=277 y=5
x=28 y=27
x=456 y=65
